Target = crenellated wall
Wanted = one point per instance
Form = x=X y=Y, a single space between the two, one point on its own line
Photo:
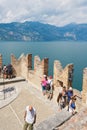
x=23 y=67
x=63 y=76
x=40 y=68
x=84 y=86
x=0 y=60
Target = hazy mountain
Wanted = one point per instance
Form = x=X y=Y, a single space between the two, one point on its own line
x=35 y=31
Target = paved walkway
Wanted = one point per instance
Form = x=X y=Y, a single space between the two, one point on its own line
x=12 y=114
x=15 y=102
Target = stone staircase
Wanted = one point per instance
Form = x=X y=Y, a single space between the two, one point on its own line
x=54 y=121
x=65 y=121
x=77 y=122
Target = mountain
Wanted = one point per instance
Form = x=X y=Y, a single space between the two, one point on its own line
x=35 y=31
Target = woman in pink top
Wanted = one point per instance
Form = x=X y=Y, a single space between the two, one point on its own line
x=44 y=84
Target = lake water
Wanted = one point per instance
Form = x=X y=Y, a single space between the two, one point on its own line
x=66 y=52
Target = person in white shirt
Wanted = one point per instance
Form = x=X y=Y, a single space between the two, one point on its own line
x=29 y=117
x=50 y=89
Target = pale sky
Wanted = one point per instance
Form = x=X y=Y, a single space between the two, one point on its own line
x=55 y=12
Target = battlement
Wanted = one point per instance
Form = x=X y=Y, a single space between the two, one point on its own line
x=0 y=60
x=84 y=86
x=61 y=76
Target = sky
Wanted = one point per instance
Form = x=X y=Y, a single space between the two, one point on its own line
x=54 y=12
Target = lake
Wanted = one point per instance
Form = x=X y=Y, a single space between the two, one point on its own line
x=65 y=52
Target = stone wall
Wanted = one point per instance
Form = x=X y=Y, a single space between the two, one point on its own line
x=23 y=67
x=63 y=76
x=84 y=86
x=0 y=60
x=40 y=68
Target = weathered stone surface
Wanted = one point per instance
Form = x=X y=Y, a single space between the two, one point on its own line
x=63 y=77
x=84 y=87
x=54 y=121
x=77 y=122
x=0 y=60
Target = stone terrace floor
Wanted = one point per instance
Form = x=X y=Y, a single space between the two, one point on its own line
x=11 y=116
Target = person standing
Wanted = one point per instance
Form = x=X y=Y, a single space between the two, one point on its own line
x=61 y=101
x=29 y=117
x=72 y=105
x=50 y=88
x=44 y=82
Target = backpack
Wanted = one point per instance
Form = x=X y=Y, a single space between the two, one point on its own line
x=48 y=87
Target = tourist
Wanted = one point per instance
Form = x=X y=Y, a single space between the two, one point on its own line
x=44 y=82
x=72 y=105
x=49 y=88
x=29 y=117
x=61 y=101
x=69 y=94
x=9 y=71
x=0 y=70
x=64 y=92
x=5 y=72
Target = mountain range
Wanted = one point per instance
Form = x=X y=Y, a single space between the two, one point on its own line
x=35 y=31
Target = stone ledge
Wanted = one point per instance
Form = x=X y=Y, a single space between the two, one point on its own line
x=8 y=99
x=13 y=80
x=54 y=121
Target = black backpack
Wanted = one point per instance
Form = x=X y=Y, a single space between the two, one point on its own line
x=48 y=87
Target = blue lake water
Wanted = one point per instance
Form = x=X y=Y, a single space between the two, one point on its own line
x=66 y=52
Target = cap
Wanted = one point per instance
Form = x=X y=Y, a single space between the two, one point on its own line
x=70 y=88
x=44 y=76
x=50 y=77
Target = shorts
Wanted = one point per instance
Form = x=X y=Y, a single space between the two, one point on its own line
x=43 y=88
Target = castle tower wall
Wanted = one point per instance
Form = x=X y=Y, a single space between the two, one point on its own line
x=84 y=86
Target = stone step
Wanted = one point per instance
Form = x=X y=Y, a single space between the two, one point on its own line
x=77 y=122
x=54 y=121
x=12 y=80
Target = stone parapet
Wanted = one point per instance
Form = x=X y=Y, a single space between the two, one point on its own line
x=84 y=86
x=0 y=60
x=63 y=76
x=23 y=67
x=54 y=121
